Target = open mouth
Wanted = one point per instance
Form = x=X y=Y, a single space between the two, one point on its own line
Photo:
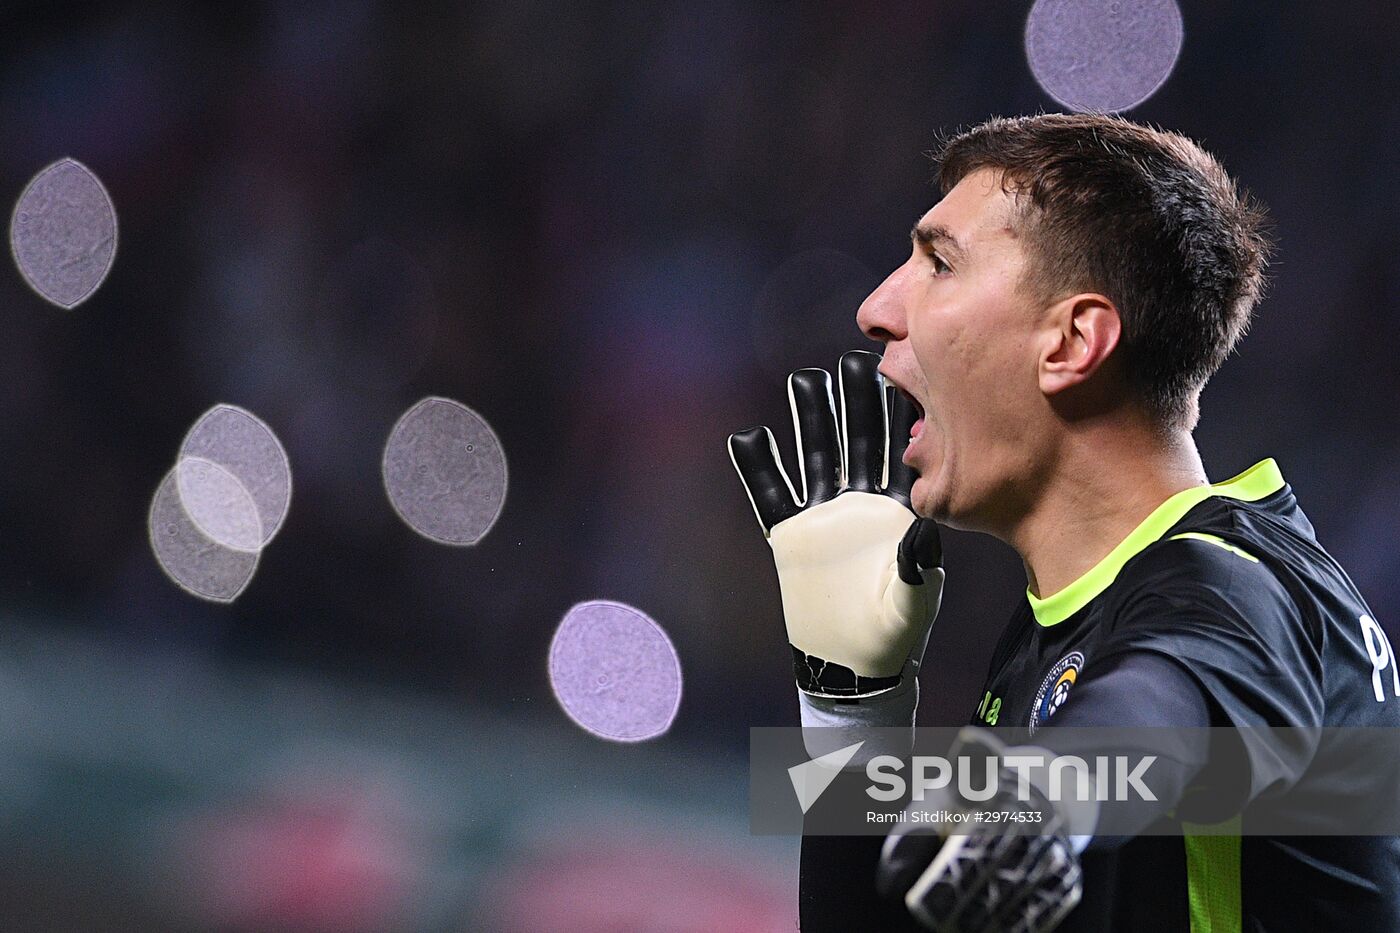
x=919 y=423
x=912 y=401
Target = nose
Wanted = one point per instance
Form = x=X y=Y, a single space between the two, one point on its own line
x=881 y=316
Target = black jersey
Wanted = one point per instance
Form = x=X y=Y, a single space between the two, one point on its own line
x=1228 y=582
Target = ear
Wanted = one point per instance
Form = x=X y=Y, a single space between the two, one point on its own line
x=1080 y=333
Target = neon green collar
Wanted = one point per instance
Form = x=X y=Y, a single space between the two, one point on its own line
x=1262 y=479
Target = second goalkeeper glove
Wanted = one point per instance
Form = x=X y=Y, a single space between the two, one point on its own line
x=1000 y=876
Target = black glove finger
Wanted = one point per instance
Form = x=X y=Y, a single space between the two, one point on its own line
x=863 y=420
x=1051 y=890
x=1026 y=880
x=814 y=423
x=755 y=456
x=952 y=899
x=976 y=886
x=920 y=549
x=902 y=417
x=986 y=910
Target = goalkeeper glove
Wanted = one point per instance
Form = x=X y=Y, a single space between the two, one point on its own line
x=860 y=573
x=1005 y=876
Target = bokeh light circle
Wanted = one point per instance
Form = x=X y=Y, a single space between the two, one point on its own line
x=218 y=504
x=63 y=233
x=191 y=559
x=615 y=672
x=244 y=446
x=445 y=472
x=1106 y=55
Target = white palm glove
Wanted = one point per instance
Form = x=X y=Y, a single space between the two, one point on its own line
x=860 y=573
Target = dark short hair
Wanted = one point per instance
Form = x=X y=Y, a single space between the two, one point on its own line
x=1144 y=216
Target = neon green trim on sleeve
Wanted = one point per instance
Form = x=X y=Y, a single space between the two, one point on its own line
x=1214 y=894
x=1261 y=480
x=1217 y=541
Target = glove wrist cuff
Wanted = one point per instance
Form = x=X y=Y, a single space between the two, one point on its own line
x=830 y=680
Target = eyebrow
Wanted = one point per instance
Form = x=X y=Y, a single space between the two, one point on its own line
x=927 y=235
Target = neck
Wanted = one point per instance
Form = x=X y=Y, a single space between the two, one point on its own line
x=1101 y=487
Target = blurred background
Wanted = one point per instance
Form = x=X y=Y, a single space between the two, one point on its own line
x=611 y=230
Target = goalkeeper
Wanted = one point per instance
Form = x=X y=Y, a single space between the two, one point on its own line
x=1047 y=342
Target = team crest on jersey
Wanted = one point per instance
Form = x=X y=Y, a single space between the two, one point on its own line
x=1055 y=687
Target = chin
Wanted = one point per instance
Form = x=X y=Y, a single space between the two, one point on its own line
x=931 y=497
x=926 y=501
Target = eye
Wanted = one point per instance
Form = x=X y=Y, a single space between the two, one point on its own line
x=939 y=266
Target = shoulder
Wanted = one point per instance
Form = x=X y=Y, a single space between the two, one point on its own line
x=1213 y=589
x=1203 y=568
x=1220 y=612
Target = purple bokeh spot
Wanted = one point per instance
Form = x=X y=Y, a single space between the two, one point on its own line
x=191 y=559
x=218 y=504
x=246 y=448
x=615 y=672
x=1107 y=55
x=64 y=233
